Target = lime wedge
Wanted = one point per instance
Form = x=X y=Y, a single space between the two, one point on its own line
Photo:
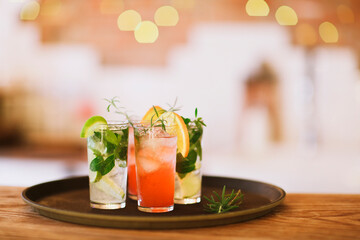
x=188 y=186
x=94 y=176
x=90 y=125
x=109 y=187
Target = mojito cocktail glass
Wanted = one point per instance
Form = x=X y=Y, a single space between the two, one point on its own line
x=155 y=151
x=107 y=158
x=188 y=170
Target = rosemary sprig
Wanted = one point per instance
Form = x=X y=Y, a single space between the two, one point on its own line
x=113 y=103
x=160 y=121
x=225 y=202
x=173 y=108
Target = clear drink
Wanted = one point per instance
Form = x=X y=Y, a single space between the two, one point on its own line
x=188 y=170
x=155 y=151
x=107 y=157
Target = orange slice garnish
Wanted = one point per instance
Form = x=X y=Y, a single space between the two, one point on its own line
x=172 y=119
x=151 y=114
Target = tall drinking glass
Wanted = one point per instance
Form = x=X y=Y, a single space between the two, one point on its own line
x=132 y=188
x=155 y=151
x=188 y=170
x=107 y=157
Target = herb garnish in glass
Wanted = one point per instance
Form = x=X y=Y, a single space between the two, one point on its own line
x=107 y=146
x=188 y=169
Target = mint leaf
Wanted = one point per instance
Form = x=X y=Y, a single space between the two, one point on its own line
x=181 y=175
x=119 y=137
x=186 y=120
x=123 y=153
x=120 y=152
x=111 y=137
x=192 y=156
x=95 y=151
x=97 y=136
x=185 y=165
x=199 y=149
x=125 y=135
x=122 y=146
x=107 y=165
x=195 y=136
x=110 y=148
x=122 y=136
x=102 y=166
x=96 y=164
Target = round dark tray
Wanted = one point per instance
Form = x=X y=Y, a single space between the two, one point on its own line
x=68 y=200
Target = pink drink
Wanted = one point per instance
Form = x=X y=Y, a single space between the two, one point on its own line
x=132 y=188
x=155 y=166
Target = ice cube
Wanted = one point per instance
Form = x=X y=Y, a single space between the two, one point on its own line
x=149 y=164
x=96 y=146
x=158 y=132
x=166 y=151
x=146 y=161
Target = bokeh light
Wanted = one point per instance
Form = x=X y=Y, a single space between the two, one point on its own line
x=328 y=32
x=51 y=7
x=345 y=14
x=166 y=16
x=286 y=16
x=257 y=8
x=306 y=35
x=111 y=6
x=30 y=11
x=128 y=20
x=146 y=32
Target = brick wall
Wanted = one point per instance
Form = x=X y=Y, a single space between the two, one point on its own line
x=79 y=21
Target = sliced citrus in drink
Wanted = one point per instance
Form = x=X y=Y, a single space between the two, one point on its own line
x=188 y=186
x=183 y=143
x=90 y=126
x=94 y=176
x=172 y=119
x=108 y=186
x=151 y=114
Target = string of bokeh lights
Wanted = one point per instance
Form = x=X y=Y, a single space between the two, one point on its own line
x=147 y=31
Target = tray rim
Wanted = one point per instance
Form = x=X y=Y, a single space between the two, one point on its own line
x=154 y=218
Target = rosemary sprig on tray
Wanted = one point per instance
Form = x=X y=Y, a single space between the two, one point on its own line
x=225 y=202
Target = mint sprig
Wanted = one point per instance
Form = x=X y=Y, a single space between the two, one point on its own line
x=195 y=129
x=115 y=149
x=102 y=166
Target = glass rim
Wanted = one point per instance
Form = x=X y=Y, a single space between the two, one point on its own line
x=146 y=124
x=112 y=125
x=114 y=122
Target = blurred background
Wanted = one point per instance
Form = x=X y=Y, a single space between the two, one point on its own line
x=276 y=81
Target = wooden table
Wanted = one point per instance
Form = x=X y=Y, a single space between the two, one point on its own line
x=301 y=216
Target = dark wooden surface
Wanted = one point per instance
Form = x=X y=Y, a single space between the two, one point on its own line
x=301 y=216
